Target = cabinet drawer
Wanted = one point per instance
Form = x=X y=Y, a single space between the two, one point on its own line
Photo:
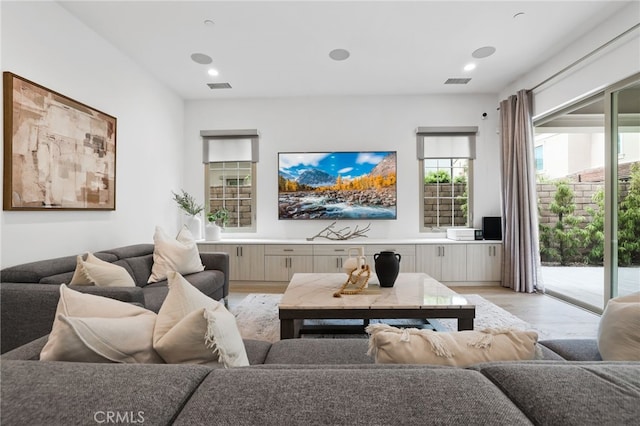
x=332 y=250
x=287 y=250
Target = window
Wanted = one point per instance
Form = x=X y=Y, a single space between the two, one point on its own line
x=230 y=176
x=539 y=156
x=446 y=160
x=230 y=186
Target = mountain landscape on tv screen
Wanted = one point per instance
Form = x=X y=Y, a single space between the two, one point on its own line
x=337 y=185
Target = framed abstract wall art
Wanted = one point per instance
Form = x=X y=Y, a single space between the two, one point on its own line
x=59 y=154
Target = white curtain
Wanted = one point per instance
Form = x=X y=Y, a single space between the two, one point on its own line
x=521 y=253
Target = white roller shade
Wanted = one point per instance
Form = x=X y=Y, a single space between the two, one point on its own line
x=447 y=142
x=224 y=146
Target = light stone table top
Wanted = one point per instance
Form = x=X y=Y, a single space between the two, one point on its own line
x=410 y=291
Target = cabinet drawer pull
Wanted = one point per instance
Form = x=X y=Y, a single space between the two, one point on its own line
x=340 y=250
x=289 y=250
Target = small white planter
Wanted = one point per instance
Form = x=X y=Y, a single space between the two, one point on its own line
x=194 y=223
x=212 y=232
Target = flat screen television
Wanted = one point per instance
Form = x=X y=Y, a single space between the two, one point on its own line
x=337 y=185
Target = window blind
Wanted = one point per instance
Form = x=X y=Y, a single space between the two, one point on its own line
x=446 y=142
x=229 y=145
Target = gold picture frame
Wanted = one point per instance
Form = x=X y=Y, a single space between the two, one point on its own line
x=59 y=154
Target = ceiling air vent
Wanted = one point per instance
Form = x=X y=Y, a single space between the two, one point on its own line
x=457 y=81
x=219 y=86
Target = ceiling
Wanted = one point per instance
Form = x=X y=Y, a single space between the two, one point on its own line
x=269 y=48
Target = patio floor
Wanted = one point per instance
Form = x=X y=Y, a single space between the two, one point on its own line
x=585 y=283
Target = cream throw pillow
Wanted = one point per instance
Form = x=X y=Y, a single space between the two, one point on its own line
x=94 y=271
x=178 y=254
x=193 y=328
x=619 y=329
x=391 y=345
x=89 y=328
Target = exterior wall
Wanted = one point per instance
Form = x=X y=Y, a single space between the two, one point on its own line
x=239 y=208
x=583 y=199
x=431 y=214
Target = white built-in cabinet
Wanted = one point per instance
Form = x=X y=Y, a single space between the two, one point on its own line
x=246 y=261
x=484 y=262
x=444 y=262
x=329 y=258
x=454 y=263
x=282 y=261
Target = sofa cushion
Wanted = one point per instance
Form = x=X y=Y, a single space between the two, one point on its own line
x=135 y=250
x=619 y=329
x=463 y=348
x=257 y=351
x=210 y=283
x=573 y=349
x=561 y=393
x=93 y=271
x=90 y=328
x=349 y=396
x=193 y=328
x=69 y=393
x=57 y=279
x=319 y=351
x=178 y=254
x=140 y=267
x=39 y=271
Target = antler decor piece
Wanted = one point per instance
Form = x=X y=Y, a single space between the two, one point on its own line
x=341 y=234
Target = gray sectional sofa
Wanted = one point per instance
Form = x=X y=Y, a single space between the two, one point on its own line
x=320 y=382
x=295 y=381
x=34 y=287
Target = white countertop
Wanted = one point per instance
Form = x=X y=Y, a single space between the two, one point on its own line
x=353 y=242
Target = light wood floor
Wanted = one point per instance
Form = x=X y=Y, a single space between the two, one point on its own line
x=558 y=319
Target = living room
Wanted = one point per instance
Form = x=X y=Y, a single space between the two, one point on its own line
x=153 y=116
x=79 y=49
x=67 y=56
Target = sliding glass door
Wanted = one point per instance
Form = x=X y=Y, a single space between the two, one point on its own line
x=588 y=166
x=570 y=169
x=623 y=274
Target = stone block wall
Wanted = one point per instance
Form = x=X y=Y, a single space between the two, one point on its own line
x=238 y=203
x=447 y=197
x=583 y=199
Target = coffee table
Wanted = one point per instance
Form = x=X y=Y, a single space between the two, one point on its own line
x=414 y=295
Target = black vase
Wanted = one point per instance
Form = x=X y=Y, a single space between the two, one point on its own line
x=387 y=264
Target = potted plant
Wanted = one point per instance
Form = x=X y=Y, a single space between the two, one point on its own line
x=192 y=209
x=216 y=221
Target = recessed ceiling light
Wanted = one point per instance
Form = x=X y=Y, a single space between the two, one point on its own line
x=209 y=22
x=470 y=67
x=483 y=52
x=213 y=72
x=201 y=58
x=339 y=54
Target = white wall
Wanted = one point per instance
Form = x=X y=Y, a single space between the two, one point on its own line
x=44 y=43
x=342 y=124
x=614 y=63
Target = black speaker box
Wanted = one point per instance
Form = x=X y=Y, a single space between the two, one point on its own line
x=492 y=228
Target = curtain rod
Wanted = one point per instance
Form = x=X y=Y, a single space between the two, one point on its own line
x=585 y=57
